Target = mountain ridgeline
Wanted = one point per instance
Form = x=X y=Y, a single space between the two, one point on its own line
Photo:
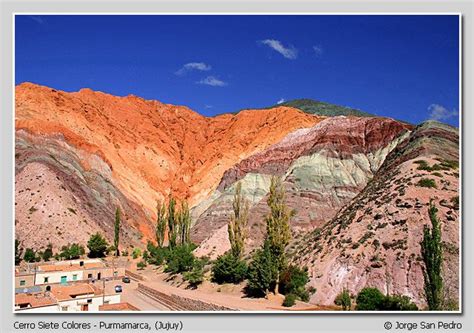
x=319 y=108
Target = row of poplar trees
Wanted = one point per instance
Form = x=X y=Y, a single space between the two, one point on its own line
x=174 y=220
x=277 y=225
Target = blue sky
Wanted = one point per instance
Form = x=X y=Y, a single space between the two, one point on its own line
x=404 y=67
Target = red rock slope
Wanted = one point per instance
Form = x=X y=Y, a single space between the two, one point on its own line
x=138 y=150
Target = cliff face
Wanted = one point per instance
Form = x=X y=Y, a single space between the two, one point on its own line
x=143 y=149
x=375 y=239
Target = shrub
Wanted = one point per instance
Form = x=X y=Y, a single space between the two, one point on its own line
x=293 y=281
x=455 y=202
x=369 y=299
x=141 y=264
x=289 y=300
x=398 y=303
x=48 y=253
x=262 y=272
x=124 y=253
x=18 y=252
x=97 y=246
x=72 y=251
x=180 y=259
x=156 y=254
x=136 y=253
x=344 y=300
x=30 y=255
x=196 y=275
x=145 y=255
x=426 y=182
x=229 y=269
x=372 y=299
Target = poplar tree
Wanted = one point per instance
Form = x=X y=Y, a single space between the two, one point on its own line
x=238 y=223
x=160 y=223
x=172 y=222
x=432 y=253
x=184 y=223
x=278 y=227
x=117 y=232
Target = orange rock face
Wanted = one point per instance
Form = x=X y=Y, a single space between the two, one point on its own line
x=153 y=148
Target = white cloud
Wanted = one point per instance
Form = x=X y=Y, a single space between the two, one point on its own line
x=212 y=81
x=281 y=100
x=288 y=52
x=37 y=19
x=193 y=66
x=318 y=50
x=439 y=112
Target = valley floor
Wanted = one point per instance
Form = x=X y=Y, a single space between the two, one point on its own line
x=171 y=293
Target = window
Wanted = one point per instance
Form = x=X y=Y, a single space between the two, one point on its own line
x=22 y=282
x=89 y=276
x=46 y=279
x=74 y=277
x=64 y=308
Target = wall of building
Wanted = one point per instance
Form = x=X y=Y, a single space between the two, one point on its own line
x=55 y=277
x=29 y=280
x=93 y=303
x=41 y=309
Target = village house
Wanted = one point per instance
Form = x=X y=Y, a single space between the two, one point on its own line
x=62 y=298
x=63 y=272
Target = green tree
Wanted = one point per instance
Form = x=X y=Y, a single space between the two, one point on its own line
x=180 y=259
x=18 y=252
x=261 y=272
x=398 y=303
x=97 y=246
x=432 y=254
x=136 y=253
x=293 y=280
x=238 y=223
x=369 y=299
x=172 y=222
x=48 y=253
x=30 y=255
x=229 y=269
x=160 y=223
x=290 y=300
x=344 y=300
x=278 y=227
x=183 y=221
x=117 y=232
x=196 y=275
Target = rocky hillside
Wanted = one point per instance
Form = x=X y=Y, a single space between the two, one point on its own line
x=96 y=151
x=375 y=240
x=323 y=168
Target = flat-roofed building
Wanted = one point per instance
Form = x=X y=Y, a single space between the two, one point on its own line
x=70 y=297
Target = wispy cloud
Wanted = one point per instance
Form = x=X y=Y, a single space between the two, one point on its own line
x=37 y=19
x=318 y=50
x=212 y=81
x=289 y=52
x=439 y=112
x=193 y=66
x=281 y=100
